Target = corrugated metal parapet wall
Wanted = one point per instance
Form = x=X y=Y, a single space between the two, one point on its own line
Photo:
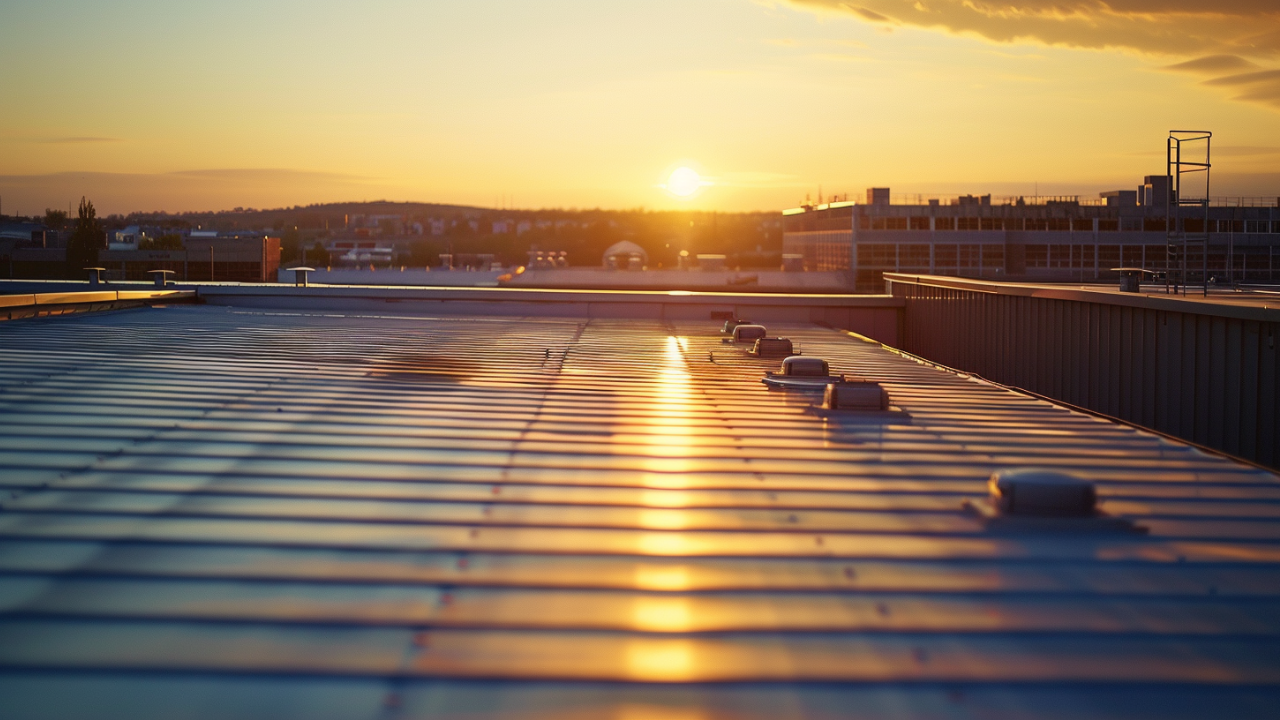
x=1202 y=370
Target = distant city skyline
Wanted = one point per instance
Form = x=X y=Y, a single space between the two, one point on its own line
x=154 y=106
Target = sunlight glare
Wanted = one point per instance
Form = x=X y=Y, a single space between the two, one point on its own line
x=684 y=181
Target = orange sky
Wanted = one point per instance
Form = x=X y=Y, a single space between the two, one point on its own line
x=150 y=105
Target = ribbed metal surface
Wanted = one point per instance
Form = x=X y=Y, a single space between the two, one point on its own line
x=210 y=508
x=1208 y=378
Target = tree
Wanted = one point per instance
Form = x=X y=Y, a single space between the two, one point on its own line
x=85 y=242
x=168 y=241
x=55 y=219
x=317 y=255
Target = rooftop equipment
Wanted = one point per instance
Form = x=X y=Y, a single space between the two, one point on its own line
x=1131 y=278
x=861 y=395
x=772 y=347
x=1186 y=152
x=300 y=275
x=1044 y=500
x=1033 y=491
x=749 y=333
x=732 y=323
x=797 y=366
x=802 y=373
x=161 y=276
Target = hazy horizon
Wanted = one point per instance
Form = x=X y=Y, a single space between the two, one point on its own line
x=146 y=106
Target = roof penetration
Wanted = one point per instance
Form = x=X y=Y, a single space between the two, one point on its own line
x=215 y=512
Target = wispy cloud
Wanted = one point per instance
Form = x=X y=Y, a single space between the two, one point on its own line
x=193 y=189
x=269 y=175
x=1213 y=64
x=1255 y=85
x=78 y=140
x=1166 y=27
x=1218 y=36
x=758 y=179
x=1246 y=150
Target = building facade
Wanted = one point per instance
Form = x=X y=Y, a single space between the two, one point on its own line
x=202 y=259
x=1050 y=239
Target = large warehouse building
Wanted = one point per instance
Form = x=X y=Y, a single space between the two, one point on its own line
x=1054 y=238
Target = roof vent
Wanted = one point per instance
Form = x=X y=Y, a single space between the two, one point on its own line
x=732 y=323
x=1044 y=500
x=801 y=373
x=300 y=275
x=798 y=366
x=767 y=347
x=161 y=277
x=857 y=395
x=748 y=333
x=1041 y=493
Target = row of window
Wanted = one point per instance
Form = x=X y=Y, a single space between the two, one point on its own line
x=917 y=257
x=946 y=258
x=1105 y=257
x=1065 y=224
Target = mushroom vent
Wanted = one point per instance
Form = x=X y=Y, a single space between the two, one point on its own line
x=748 y=333
x=1042 y=493
x=866 y=396
x=797 y=366
x=731 y=323
x=768 y=347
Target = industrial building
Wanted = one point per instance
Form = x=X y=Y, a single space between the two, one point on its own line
x=503 y=503
x=1033 y=239
x=203 y=257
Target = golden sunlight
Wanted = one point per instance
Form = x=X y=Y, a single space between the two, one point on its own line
x=684 y=182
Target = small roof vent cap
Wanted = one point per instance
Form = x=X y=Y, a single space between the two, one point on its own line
x=732 y=323
x=800 y=366
x=855 y=395
x=1041 y=492
x=776 y=347
x=749 y=333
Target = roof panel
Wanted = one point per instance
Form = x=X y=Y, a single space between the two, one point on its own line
x=204 y=491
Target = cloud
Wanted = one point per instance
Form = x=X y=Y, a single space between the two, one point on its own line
x=869 y=14
x=77 y=140
x=1251 y=78
x=1213 y=64
x=190 y=189
x=1253 y=83
x=1217 y=36
x=1245 y=150
x=268 y=175
x=1165 y=27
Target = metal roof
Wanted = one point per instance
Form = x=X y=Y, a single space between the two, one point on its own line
x=216 y=512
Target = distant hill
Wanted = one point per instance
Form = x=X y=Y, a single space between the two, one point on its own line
x=423 y=231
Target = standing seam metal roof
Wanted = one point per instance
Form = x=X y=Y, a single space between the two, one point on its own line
x=495 y=515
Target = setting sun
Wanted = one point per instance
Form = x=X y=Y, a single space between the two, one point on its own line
x=684 y=182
